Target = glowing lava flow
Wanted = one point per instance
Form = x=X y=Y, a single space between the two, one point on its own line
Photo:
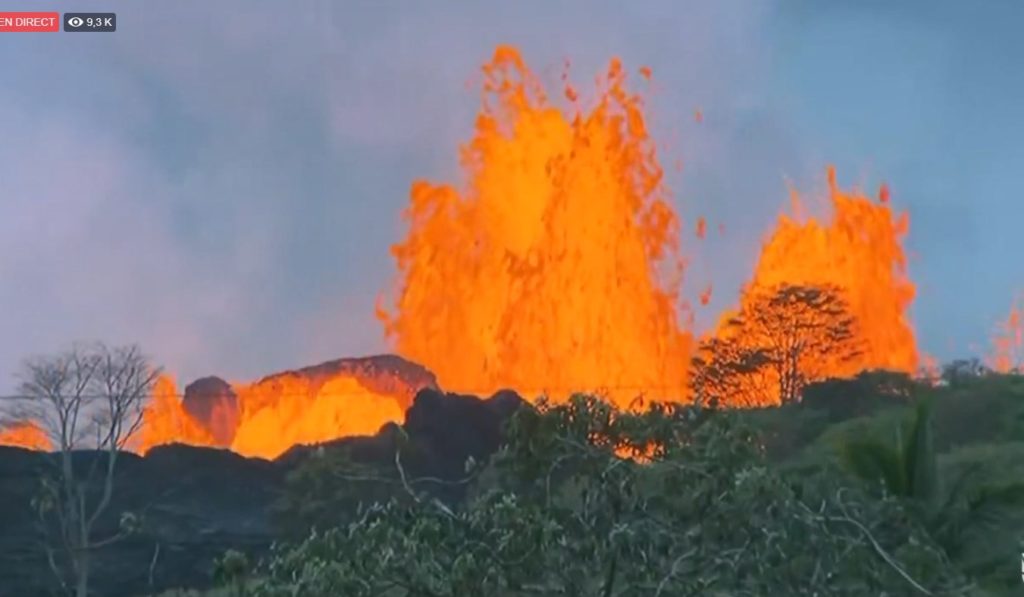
x=556 y=268
x=165 y=420
x=859 y=251
x=24 y=434
x=274 y=415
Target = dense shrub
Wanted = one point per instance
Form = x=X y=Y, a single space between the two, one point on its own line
x=696 y=511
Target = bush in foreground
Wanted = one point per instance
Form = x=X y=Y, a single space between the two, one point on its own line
x=694 y=511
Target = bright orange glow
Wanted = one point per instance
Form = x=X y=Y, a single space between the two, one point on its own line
x=274 y=415
x=288 y=410
x=25 y=434
x=859 y=250
x=555 y=268
x=165 y=421
x=1008 y=342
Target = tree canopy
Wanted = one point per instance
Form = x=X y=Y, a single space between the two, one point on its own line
x=782 y=339
x=587 y=500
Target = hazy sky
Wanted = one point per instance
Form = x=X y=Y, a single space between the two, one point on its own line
x=221 y=181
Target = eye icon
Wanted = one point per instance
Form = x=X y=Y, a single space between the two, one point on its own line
x=75 y=21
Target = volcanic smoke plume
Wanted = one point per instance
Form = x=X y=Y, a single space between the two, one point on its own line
x=859 y=250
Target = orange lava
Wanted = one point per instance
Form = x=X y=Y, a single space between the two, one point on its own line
x=288 y=411
x=25 y=434
x=555 y=267
x=1008 y=342
x=859 y=250
x=165 y=421
x=274 y=415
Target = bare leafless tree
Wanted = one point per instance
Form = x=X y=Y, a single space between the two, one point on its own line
x=90 y=397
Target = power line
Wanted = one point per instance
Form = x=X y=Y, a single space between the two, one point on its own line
x=482 y=392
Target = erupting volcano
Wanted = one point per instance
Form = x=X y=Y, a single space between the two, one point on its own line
x=859 y=250
x=554 y=268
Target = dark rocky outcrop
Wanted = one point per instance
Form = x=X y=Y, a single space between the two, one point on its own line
x=195 y=503
x=443 y=431
x=212 y=402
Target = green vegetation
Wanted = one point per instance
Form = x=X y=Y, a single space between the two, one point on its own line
x=911 y=490
x=873 y=486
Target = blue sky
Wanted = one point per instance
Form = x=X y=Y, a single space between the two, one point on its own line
x=221 y=181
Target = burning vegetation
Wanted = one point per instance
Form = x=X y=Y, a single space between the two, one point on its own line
x=556 y=267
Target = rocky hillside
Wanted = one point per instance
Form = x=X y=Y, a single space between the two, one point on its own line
x=194 y=503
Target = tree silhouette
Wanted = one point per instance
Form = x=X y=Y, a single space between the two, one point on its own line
x=727 y=373
x=786 y=337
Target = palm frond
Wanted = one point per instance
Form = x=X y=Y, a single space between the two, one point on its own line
x=919 y=458
x=874 y=461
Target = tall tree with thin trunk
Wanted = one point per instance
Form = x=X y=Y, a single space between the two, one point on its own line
x=89 y=398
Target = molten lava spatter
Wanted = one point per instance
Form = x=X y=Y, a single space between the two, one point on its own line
x=1008 y=343
x=165 y=420
x=316 y=404
x=289 y=411
x=25 y=434
x=858 y=250
x=555 y=268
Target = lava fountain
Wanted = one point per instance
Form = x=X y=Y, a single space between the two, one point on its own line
x=859 y=249
x=555 y=268
x=24 y=434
